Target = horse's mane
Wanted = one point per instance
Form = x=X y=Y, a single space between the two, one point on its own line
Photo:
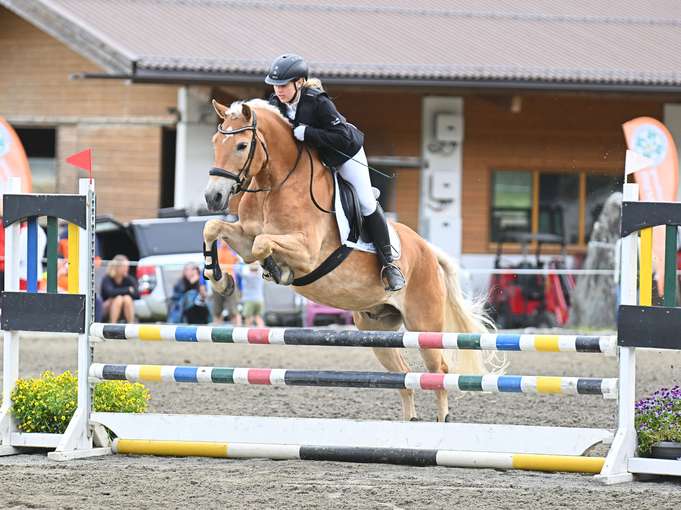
x=257 y=103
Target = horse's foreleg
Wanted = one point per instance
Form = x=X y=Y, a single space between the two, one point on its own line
x=282 y=247
x=235 y=236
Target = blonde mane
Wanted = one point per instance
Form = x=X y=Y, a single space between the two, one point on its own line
x=257 y=103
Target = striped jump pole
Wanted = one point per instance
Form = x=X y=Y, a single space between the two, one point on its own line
x=402 y=456
x=607 y=388
x=606 y=344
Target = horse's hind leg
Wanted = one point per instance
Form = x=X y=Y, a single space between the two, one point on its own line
x=435 y=362
x=391 y=359
x=425 y=312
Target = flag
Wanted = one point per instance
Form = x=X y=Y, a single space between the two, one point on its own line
x=658 y=182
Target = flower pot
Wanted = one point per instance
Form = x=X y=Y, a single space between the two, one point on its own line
x=666 y=450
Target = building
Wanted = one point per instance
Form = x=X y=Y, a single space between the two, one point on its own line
x=490 y=116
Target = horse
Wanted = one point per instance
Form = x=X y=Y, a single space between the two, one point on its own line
x=284 y=196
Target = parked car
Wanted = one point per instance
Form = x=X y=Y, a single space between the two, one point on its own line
x=322 y=315
x=159 y=248
x=283 y=307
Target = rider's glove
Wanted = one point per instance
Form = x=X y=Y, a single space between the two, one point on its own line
x=299 y=132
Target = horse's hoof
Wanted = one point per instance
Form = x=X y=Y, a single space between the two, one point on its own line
x=448 y=418
x=272 y=268
x=224 y=286
x=414 y=419
x=231 y=285
x=289 y=278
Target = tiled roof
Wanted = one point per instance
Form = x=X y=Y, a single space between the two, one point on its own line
x=534 y=41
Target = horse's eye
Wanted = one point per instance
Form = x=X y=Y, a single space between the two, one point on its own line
x=241 y=146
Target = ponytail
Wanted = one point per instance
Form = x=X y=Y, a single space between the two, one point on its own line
x=313 y=83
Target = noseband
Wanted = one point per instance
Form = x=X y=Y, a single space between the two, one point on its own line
x=244 y=173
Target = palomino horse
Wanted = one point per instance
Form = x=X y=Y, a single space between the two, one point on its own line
x=282 y=221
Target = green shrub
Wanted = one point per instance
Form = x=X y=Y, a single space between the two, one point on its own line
x=47 y=403
x=658 y=418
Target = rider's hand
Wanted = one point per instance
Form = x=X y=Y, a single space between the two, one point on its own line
x=299 y=132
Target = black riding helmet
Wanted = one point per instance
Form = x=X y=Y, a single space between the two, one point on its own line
x=286 y=68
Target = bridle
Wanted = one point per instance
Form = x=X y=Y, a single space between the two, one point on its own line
x=243 y=177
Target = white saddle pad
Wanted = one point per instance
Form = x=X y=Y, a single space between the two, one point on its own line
x=344 y=230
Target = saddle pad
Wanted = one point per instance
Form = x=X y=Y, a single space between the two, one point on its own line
x=344 y=229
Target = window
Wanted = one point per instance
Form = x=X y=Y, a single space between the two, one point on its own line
x=511 y=203
x=40 y=147
x=559 y=205
x=566 y=204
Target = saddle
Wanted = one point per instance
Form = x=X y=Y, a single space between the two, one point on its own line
x=351 y=209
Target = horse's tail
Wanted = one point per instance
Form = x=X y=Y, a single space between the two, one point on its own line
x=466 y=316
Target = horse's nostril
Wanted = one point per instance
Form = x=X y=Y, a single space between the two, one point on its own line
x=218 y=198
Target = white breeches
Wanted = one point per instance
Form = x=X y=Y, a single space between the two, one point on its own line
x=356 y=172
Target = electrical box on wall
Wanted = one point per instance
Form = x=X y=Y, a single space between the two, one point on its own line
x=442 y=186
x=444 y=231
x=449 y=127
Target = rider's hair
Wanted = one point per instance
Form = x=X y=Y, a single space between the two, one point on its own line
x=313 y=83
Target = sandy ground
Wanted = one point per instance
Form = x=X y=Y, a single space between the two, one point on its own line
x=30 y=481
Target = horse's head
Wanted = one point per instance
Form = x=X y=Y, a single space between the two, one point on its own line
x=240 y=153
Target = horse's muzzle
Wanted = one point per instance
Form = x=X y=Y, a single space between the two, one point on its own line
x=215 y=200
x=217 y=194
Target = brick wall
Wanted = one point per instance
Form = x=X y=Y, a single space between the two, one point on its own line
x=120 y=121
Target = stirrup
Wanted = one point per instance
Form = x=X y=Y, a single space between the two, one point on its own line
x=214 y=262
x=386 y=281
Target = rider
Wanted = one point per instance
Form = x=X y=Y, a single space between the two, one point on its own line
x=317 y=122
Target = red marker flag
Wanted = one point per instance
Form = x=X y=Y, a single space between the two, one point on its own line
x=82 y=159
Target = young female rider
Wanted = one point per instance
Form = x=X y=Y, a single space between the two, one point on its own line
x=316 y=121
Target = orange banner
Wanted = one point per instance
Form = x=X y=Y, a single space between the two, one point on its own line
x=13 y=160
x=659 y=182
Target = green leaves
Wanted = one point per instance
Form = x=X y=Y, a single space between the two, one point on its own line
x=47 y=403
x=658 y=418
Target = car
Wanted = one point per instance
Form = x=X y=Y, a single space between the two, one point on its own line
x=322 y=315
x=283 y=307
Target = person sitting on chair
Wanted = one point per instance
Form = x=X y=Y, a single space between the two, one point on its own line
x=119 y=290
x=317 y=122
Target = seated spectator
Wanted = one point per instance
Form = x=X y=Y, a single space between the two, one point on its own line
x=119 y=289
x=252 y=294
x=188 y=302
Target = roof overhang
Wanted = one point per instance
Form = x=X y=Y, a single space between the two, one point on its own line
x=191 y=77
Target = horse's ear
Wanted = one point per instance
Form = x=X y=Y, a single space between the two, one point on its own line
x=220 y=109
x=246 y=111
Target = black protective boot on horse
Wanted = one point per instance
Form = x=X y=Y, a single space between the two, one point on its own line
x=376 y=225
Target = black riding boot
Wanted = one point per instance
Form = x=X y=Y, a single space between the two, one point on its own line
x=392 y=277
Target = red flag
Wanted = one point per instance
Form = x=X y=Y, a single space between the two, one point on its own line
x=82 y=159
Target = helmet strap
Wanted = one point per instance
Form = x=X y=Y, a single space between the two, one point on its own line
x=295 y=96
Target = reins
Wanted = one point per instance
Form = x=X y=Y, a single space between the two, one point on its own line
x=243 y=179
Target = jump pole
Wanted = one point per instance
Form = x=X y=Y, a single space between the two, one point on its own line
x=400 y=456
